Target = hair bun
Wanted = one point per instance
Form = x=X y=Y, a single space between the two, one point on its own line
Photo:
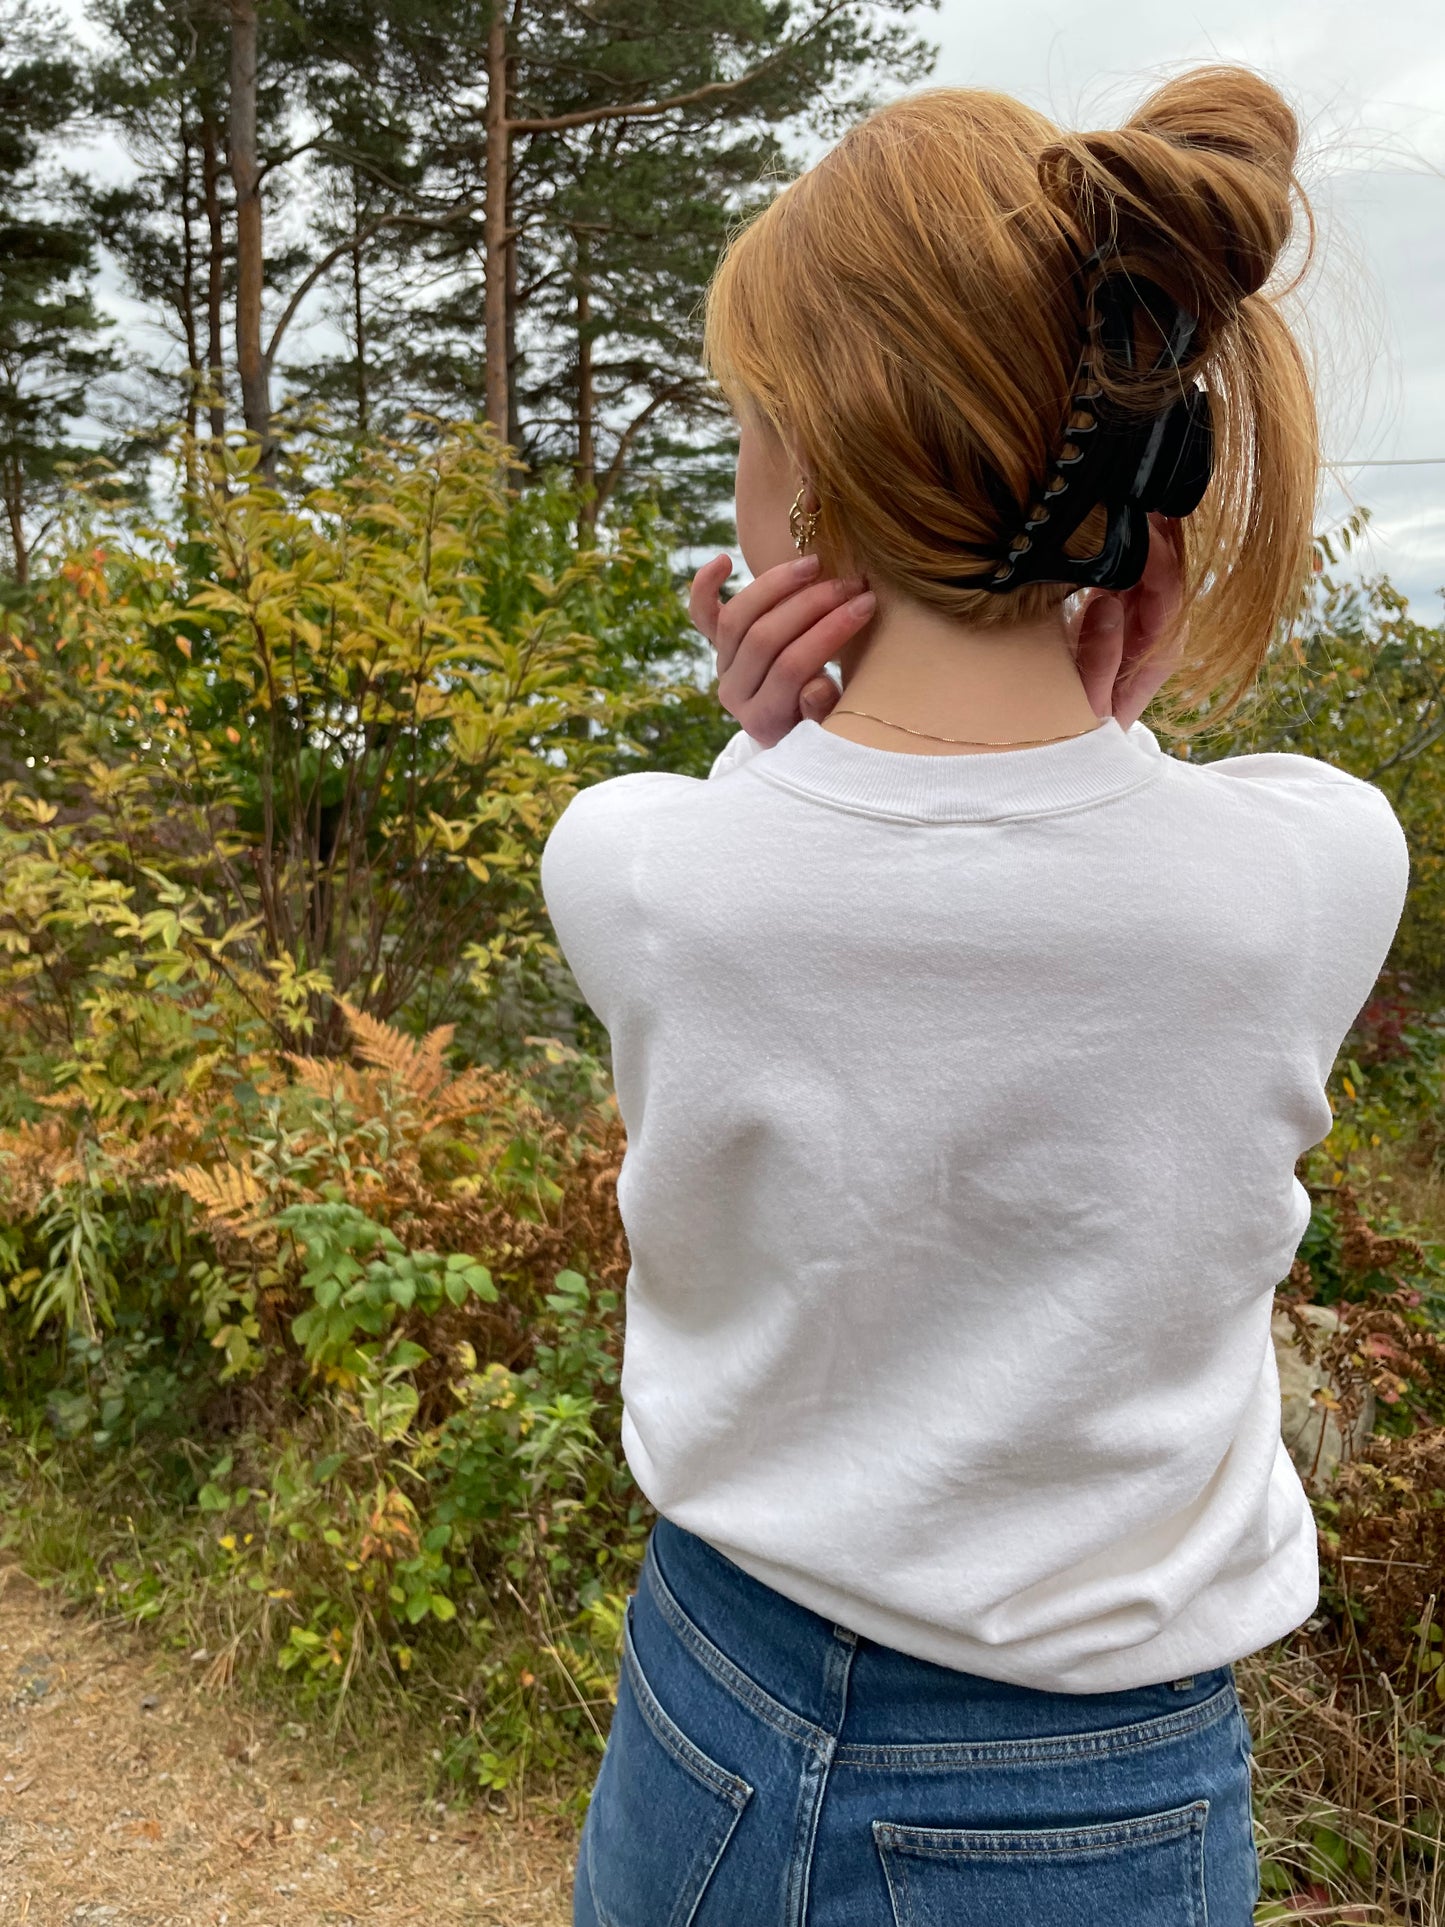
x=1195 y=189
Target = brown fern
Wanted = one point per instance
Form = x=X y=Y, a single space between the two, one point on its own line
x=475 y=1091
x=232 y=1195
x=322 y=1076
x=34 y=1157
x=1363 y=1249
x=419 y=1067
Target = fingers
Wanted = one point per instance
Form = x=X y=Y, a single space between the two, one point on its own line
x=1151 y=652
x=775 y=706
x=784 y=623
x=774 y=638
x=1160 y=587
x=763 y=594
x=818 y=698
x=703 y=605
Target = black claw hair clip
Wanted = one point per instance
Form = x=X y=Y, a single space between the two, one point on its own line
x=1131 y=465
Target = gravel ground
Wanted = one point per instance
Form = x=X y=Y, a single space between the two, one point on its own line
x=130 y=1797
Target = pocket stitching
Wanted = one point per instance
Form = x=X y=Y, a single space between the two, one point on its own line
x=727 y=1674
x=690 y=1757
x=979 y=1842
x=705 y=1861
x=899 y=1892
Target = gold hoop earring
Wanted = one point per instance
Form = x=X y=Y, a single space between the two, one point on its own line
x=802 y=523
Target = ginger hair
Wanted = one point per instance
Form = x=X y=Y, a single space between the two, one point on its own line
x=906 y=315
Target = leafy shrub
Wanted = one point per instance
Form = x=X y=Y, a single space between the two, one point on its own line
x=315 y=734
x=310 y=1330
x=1360 y=686
x=344 y=1333
x=1382 y=1558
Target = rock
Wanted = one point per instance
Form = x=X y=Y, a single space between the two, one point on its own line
x=1301 y=1420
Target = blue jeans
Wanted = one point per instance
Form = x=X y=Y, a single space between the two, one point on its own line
x=766 y=1768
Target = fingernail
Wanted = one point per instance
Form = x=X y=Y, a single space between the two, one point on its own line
x=853 y=585
x=863 y=605
x=805 y=566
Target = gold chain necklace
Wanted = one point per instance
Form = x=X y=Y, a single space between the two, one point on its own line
x=972 y=742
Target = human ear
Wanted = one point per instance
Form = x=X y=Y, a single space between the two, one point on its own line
x=1161 y=587
x=1096 y=640
x=765 y=488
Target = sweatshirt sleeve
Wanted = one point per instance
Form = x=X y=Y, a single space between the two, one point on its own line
x=588 y=885
x=1358 y=873
x=585 y=870
x=1361 y=885
x=588 y=871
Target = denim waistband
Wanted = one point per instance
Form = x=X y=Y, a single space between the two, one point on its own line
x=782 y=1658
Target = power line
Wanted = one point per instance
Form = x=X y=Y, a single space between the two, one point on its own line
x=724 y=474
x=704 y=471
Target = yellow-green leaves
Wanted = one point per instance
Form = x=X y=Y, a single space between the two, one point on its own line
x=318 y=740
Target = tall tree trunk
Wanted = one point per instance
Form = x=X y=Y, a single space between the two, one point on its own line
x=363 y=410
x=358 y=311
x=250 y=257
x=494 y=223
x=215 y=275
x=514 y=360
x=15 y=515
x=586 y=398
x=195 y=374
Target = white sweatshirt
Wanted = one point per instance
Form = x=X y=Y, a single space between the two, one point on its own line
x=963 y=1095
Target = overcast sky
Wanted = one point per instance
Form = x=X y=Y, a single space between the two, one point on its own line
x=1369 y=85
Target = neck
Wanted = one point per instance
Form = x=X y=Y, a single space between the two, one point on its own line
x=918 y=667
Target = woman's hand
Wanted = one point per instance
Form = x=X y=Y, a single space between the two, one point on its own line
x=773 y=639
x=1111 y=629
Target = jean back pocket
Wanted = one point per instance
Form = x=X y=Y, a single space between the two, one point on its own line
x=661 y=1812
x=1147 y=1871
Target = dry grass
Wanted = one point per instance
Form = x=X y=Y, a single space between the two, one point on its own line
x=1415 y=1189
x=1343 y=1753
x=1364 y=1771
x=130 y=1796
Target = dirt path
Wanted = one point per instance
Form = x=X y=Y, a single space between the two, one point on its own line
x=129 y=1798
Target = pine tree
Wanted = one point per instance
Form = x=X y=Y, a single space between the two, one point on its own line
x=50 y=349
x=163 y=91
x=574 y=172
x=505 y=210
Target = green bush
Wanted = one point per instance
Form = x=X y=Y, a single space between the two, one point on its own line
x=312 y=1319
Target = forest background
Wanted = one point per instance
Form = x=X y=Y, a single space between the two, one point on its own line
x=311 y=1278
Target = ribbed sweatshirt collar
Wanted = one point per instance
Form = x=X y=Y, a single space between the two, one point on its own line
x=961 y=787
